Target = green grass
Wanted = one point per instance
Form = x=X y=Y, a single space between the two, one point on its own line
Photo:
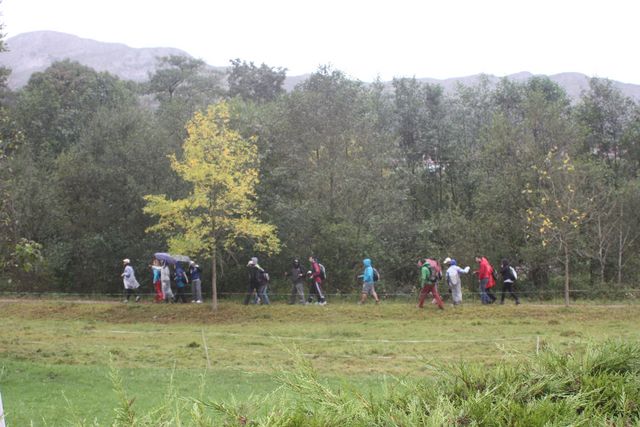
x=57 y=359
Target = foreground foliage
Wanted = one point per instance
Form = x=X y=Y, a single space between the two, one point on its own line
x=597 y=387
x=60 y=361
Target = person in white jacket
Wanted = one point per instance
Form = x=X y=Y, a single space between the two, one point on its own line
x=454 y=281
x=165 y=280
x=131 y=285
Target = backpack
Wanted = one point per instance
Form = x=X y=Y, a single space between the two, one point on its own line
x=434 y=269
x=494 y=273
x=263 y=277
x=514 y=274
x=376 y=275
x=323 y=272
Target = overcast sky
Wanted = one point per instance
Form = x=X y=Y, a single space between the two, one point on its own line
x=365 y=39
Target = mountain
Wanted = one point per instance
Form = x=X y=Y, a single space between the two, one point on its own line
x=573 y=83
x=35 y=51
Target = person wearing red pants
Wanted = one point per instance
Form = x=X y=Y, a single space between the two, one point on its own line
x=428 y=281
x=156 y=268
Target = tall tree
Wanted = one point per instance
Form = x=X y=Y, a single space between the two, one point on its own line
x=250 y=82
x=182 y=86
x=220 y=210
x=563 y=202
x=605 y=115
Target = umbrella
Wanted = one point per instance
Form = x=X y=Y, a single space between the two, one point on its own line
x=163 y=256
x=181 y=258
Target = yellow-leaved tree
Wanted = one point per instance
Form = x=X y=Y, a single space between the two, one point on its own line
x=220 y=210
x=560 y=205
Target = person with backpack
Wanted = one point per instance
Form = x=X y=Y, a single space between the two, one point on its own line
x=454 y=281
x=486 y=280
x=296 y=275
x=317 y=274
x=264 y=280
x=181 y=283
x=256 y=282
x=428 y=282
x=369 y=276
x=509 y=277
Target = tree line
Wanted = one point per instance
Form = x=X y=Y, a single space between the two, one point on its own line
x=344 y=170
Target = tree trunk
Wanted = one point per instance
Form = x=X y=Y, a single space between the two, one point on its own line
x=620 y=245
x=602 y=255
x=566 y=276
x=214 y=281
x=620 y=260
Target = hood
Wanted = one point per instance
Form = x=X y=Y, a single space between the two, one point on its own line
x=366 y=262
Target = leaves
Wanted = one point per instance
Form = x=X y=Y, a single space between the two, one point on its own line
x=220 y=211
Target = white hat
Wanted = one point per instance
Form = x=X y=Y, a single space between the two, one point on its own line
x=126 y=261
x=447 y=260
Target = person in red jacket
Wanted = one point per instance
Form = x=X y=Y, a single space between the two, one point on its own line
x=316 y=276
x=485 y=277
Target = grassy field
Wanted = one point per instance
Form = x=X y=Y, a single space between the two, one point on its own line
x=59 y=361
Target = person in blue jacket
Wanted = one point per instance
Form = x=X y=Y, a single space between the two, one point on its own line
x=368 y=277
x=181 y=283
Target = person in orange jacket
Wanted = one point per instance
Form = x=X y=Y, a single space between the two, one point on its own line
x=486 y=280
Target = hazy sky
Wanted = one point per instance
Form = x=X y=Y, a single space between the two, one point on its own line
x=365 y=39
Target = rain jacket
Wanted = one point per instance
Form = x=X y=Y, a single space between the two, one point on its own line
x=484 y=272
x=129 y=278
x=425 y=273
x=195 y=272
x=181 y=277
x=316 y=273
x=453 y=274
x=156 y=273
x=367 y=275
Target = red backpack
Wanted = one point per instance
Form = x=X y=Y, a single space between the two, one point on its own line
x=435 y=269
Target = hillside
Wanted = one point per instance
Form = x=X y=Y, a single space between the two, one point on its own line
x=573 y=83
x=32 y=52
x=35 y=51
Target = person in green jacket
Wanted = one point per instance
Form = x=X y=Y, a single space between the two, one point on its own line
x=428 y=281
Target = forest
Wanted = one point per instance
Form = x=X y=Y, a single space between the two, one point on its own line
x=344 y=170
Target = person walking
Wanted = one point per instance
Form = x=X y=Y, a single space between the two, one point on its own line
x=316 y=274
x=263 y=278
x=156 y=269
x=428 y=282
x=131 y=285
x=509 y=277
x=196 y=283
x=181 y=283
x=486 y=280
x=165 y=279
x=296 y=275
x=256 y=283
x=453 y=279
x=368 y=277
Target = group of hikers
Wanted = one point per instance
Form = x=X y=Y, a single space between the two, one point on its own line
x=259 y=282
x=431 y=273
x=161 y=278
